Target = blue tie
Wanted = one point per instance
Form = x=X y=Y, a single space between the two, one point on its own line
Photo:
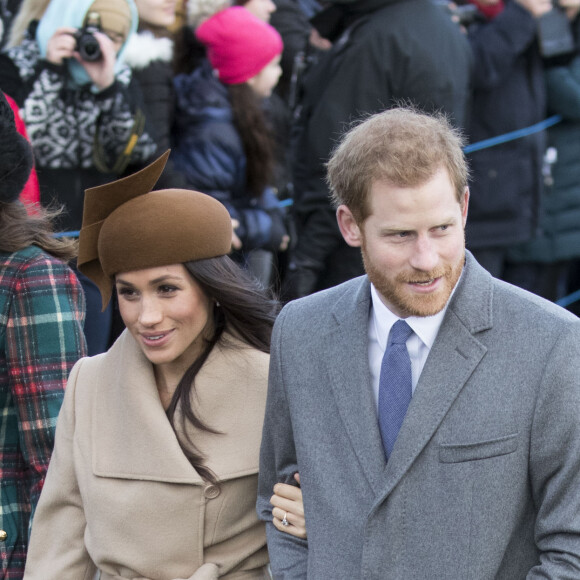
x=395 y=387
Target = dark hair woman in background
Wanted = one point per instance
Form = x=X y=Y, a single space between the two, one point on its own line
x=41 y=337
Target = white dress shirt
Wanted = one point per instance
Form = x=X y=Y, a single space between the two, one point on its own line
x=425 y=329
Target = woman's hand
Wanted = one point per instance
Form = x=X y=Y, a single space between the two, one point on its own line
x=288 y=507
x=206 y=572
x=61 y=45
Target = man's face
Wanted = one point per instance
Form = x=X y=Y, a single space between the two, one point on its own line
x=412 y=243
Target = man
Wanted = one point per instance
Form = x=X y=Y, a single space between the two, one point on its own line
x=481 y=478
x=383 y=52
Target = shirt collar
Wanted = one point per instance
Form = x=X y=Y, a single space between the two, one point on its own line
x=425 y=327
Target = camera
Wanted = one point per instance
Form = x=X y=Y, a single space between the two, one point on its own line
x=88 y=46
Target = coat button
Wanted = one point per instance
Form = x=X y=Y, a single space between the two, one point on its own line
x=3 y=535
x=211 y=491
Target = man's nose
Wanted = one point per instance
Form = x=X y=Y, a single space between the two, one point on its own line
x=425 y=256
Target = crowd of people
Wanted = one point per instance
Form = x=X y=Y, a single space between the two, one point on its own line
x=165 y=188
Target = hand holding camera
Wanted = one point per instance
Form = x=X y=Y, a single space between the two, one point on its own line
x=536 y=7
x=93 y=49
x=571 y=7
x=62 y=45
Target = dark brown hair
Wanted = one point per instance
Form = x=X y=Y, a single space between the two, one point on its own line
x=256 y=135
x=18 y=230
x=243 y=308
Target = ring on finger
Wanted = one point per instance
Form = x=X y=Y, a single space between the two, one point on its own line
x=285 y=522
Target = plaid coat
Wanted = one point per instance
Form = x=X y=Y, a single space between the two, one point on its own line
x=41 y=337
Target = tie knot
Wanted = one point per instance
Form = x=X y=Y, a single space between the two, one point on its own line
x=400 y=332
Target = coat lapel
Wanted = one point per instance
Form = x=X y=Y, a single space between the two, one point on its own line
x=348 y=367
x=453 y=358
x=132 y=436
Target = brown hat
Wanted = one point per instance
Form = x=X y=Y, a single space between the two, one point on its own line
x=126 y=226
x=115 y=16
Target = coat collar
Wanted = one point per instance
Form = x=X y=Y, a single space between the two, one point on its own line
x=132 y=436
x=454 y=356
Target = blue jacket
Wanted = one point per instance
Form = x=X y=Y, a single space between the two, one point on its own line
x=209 y=152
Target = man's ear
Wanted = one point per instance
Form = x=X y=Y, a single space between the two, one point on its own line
x=348 y=227
x=465 y=205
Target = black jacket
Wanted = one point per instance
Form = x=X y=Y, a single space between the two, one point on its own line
x=509 y=94
x=384 y=52
x=390 y=50
x=150 y=59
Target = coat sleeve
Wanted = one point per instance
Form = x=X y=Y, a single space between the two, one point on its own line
x=278 y=462
x=44 y=339
x=213 y=163
x=57 y=549
x=563 y=88
x=555 y=462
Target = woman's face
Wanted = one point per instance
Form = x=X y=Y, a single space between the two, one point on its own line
x=261 y=9
x=264 y=82
x=157 y=12
x=166 y=312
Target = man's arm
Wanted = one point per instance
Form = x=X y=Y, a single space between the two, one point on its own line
x=555 y=462
x=278 y=463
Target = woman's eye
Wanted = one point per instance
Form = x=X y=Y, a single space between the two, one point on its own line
x=126 y=293
x=167 y=289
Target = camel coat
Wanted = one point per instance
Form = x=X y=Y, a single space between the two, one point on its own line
x=120 y=496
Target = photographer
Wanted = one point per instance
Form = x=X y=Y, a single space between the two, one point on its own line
x=83 y=116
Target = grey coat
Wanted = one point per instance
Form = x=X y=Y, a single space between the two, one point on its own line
x=484 y=479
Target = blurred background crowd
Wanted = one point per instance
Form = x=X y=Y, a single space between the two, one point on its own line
x=251 y=99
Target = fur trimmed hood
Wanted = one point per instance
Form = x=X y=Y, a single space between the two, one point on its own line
x=143 y=48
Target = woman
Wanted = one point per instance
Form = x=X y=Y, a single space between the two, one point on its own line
x=83 y=116
x=41 y=337
x=224 y=144
x=154 y=473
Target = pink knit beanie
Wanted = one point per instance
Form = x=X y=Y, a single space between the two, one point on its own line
x=239 y=45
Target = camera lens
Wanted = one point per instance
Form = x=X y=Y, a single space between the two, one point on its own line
x=88 y=47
